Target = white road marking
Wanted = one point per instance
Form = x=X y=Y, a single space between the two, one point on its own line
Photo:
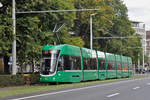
x=109 y=96
x=77 y=89
x=136 y=88
x=148 y=83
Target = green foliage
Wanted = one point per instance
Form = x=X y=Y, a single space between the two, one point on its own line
x=36 y=30
x=72 y=40
x=6 y=35
x=35 y=78
x=110 y=21
x=11 y=80
x=17 y=80
x=102 y=21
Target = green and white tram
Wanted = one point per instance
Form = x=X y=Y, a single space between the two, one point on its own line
x=67 y=63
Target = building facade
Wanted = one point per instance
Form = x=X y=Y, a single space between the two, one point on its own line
x=148 y=45
x=139 y=28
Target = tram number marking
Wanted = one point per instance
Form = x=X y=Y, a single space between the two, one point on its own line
x=75 y=76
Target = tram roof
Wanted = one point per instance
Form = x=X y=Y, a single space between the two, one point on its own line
x=75 y=51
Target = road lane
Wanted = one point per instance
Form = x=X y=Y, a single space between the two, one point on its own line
x=97 y=92
x=115 y=94
x=135 y=88
x=142 y=93
x=148 y=83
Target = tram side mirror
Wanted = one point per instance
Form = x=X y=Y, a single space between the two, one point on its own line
x=60 y=66
x=60 y=69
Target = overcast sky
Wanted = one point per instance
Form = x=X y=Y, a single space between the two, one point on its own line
x=139 y=10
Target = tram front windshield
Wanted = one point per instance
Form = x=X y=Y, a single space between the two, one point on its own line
x=49 y=61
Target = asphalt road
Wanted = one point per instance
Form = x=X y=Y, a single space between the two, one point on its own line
x=138 y=89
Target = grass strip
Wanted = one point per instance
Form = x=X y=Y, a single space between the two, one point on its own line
x=41 y=88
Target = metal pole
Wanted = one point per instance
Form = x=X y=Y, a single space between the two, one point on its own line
x=116 y=37
x=55 y=11
x=91 y=34
x=143 y=58
x=14 y=41
x=138 y=62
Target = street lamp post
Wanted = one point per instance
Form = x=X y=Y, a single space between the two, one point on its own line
x=143 y=55
x=14 y=41
x=138 y=61
x=143 y=59
x=91 y=32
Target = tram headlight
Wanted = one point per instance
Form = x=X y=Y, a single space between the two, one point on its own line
x=54 y=78
x=59 y=74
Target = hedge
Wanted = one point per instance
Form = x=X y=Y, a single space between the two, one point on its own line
x=31 y=79
x=19 y=79
x=11 y=80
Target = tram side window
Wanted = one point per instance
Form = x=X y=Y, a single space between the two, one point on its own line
x=93 y=64
x=113 y=65
x=70 y=62
x=108 y=65
x=130 y=66
x=102 y=65
x=126 y=65
x=90 y=63
x=124 y=68
x=118 y=65
x=85 y=63
x=67 y=62
x=123 y=64
x=76 y=63
x=60 y=63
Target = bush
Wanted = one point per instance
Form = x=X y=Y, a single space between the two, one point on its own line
x=11 y=80
x=35 y=78
x=16 y=80
x=32 y=79
x=5 y=80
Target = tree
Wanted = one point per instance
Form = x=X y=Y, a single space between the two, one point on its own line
x=101 y=20
x=110 y=21
x=36 y=30
x=6 y=35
